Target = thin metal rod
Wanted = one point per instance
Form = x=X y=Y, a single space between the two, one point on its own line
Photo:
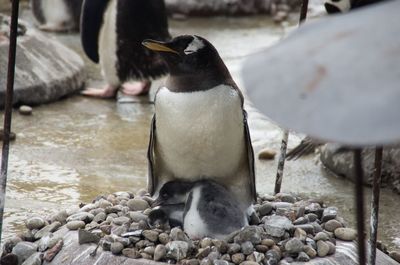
x=359 y=205
x=376 y=190
x=8 y=107
x=281 y=162
x=303 y=11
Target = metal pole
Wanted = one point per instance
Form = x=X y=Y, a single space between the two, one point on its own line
x=282 y=156
x=281 y=162
x=8 y=107
x=359 y=205
x=376 y=189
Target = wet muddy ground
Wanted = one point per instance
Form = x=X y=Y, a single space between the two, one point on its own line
x=75 y=149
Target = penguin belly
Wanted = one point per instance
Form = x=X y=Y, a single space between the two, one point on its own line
x=56 y=12
x=108 y=45
x=200 y=134
x=193 y=223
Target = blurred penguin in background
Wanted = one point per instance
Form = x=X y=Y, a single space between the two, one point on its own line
x=343 y=6
x=112 y=32
x=57 y=15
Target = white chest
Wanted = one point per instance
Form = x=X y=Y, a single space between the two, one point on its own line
x=55 y=12
x=199 y=133
x=193 y=224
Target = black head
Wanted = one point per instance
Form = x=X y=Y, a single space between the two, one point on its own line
x=186 y=54
x=173 y=192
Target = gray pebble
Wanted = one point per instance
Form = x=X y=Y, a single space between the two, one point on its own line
x=123 y=241
x=261 y=248
x=285 y=197
x=226 y=257
x=116 y=248
x=276 y=226
x=233 y=248
x=160 y=252
x=149 y=250
x=220 y=262
x=346 y=234
x=163 y=238
x=113 y=210
x=206 y=242
x=24 y=250
x=75 y=225
x=81 y=216
x=303 y=257
x=27 y=236
x=268 y=242
x=177 y=250
x=203 y=252
x=102 y=203
x=249 y=263
x=285 y=205
x=312 y=217
x=272 y=257
x=221 y=245
x=329 y=213
x=301 y=221
x=35 y=223
x=332 y=225
x=214 y=255
x=265 y=209
x=137 y=216
x=300 y=234
x=321 y=236
x=311 y=242
x=249 y=233
x=310 y=251
x=178 y=235
x=85 y=237
x=119 y=230
x=131 y=253
x=121 y=220
x=322 y=248
x=238 y=258
x=294 y=245
x=306 y=227
x=247 y=247
x=151 y=235
x=137 y=204
x=47 y=229
x=25 y=110
x=34 y=259
x=100 y=217
x=317 y=227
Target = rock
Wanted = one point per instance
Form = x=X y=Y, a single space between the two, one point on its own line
x=160 y=252
x=276 y=226
x=24 y=250
x=332 y=247
x=321 y=236
x=346 y=234
x=311 y=243
x=35 y=223
x=34 y=259
x=151 y=235
x=113 y=210
x=294 y=245
x=60 y=216
x=203 y=252
x=85 y=237
x=220 y=262
x=303 y=257
x=178 y=235
x=214 y=255
x=51 y=253
x=272 y=257
x=322 y=248
x=267 y=154
x=247 y=248
x=25 y=110
x=256 y=257
x=249 y=233
x=261 y=248
x=249 y=263
x=226 y=257
x=268 y=242
x=81 y=216
x=47 y=229
x=9 y=259
x=332 y=225
x=121 y=220
x=137 y=216
x=233 y=248
x=329 y=213
x=238 y=258
x=100 y=217
x=284 y=197
x=300 y=221
x=27 y=236
x=137 y=204
x=284 y=205
x=317 y=227
x=119 y=230
x=265 y=209
x=75 y=225
x=131 y=253
x=300 y=234
x=221 y=245
x=310 y=251
x=206 y=242
x=177 y=250
x=163 y=238
x=312 y=217
x=43 y=243
x=116 y=248
x=10 y=244
x=395 y=255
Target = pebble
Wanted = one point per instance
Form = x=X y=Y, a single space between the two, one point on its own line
x=177 y=250
x=47 y=229
x=85 y=237
x=163 y=238
x=265 y=209
x=294 y=245
x=233 y=248
x=261 y=248
x=346 y=234
x=178 y=235
x=81 y=216
x=47 y=241
x=121 y=220
x=395 y=255
x=131 y=253
x=35 y=223
x=249 y=263
x=276 y=226
x=332 y=225
x=310 y=251
x=267 y=154
x=160 y=252
x=249 y=233
x=300 y=234
x=312 y=217
x=321 y=236
x=303 y=257
x=206 y=242
x=100 y=217
x=238 y=258
x=203 y=252
x=322 y=248
x=27 y=236
x=329 y=213
x=75 y=225
x=221 y=245
x=268 y=242
x=332 y=247
x=151 y=235
x=300 y=221
x=284 y=197
x=34 y=259
x=226 y=257
x=247 y=247
x=220 y=262
x=137 y=204
x=25 y=110
x=116 y=248
x=24 y=250
x=137 y=216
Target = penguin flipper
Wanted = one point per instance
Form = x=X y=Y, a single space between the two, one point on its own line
x=151 y=181
x=91 y=22
x=250 y=156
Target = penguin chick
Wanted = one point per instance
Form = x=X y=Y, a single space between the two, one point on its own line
x=199 y=129
x=57 y=15
x=112 y=32
x=166 y=216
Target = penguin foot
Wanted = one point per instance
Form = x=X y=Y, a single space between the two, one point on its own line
x=138 y=88
x=105 y=92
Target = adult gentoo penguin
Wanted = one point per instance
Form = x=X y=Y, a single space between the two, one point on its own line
x=210 y=210
x=112 y=32
x=343 y=6
x=57 y=15
x=199 y=129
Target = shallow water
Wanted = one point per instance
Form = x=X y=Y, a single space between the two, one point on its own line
x=75 y=149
